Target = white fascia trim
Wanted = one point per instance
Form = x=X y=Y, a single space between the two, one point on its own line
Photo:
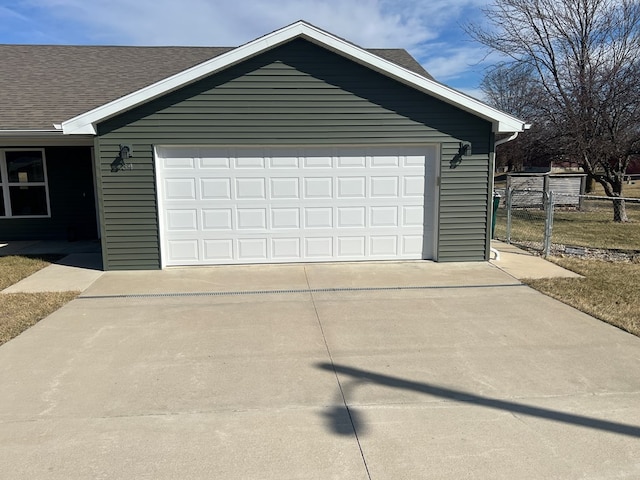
x=85 y=123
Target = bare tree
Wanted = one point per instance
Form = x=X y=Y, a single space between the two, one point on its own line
x=512 y=89
x=583 y=57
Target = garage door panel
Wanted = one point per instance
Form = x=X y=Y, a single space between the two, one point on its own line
x=351 y=217
x=215 y=189
x=384 y=246
x=183 y=219
x=251 y=218
x=413 y=161
x=284 y=160
x=352 y=161
x=318 y=217
x=351 y=187
x=250 y=189
x=351 y=247
x=413 y=186
x=412 y=216
x=217 y=219
x=218 y=250
x=384 y=217
x=249 y=162
x=318 y=187
x=385 y=187
x=310 y=161
x=258 y=205
x=381 y=161
x=285 y=218
x=412 y=245
x=319 y=247
x=286 y=248
x=252 y=249
x=215 y=163
x=179 y=162
x=287 y=188
x=180 y=189
x=183 y=250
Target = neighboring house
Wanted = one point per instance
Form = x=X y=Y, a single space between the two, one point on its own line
x=297 y=146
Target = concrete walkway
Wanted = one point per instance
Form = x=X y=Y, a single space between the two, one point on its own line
x=79 y=271
x=404 y=370
x=80 y=266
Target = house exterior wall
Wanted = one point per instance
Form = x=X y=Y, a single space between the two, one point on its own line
x=296 y=94
x=71 y=196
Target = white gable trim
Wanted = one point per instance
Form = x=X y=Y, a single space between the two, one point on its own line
x=86 y=123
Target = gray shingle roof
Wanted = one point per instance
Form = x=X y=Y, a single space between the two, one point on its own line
x=45 y=84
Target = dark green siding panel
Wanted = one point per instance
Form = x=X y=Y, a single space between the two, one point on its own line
x=71 y=197
x=464 y=207
x=296 y=94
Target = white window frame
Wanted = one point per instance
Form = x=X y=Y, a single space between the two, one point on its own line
x=5 y=183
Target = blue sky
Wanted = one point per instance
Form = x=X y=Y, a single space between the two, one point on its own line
x=431 y=30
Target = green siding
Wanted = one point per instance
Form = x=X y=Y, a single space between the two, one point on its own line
x=464 y=193
x=296 y=94
x=71 y=197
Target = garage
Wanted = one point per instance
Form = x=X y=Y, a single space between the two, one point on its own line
x=239 y=205
x=296 y=147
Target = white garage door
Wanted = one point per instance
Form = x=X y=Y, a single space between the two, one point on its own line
x=276 y=205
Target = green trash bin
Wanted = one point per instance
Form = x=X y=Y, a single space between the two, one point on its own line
x=496 y=204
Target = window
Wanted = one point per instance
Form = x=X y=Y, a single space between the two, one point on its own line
x=23 y=184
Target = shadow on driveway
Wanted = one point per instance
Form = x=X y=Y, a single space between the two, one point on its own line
x=364 y=376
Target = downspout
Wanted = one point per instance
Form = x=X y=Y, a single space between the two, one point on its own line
x=496 y=143
x=505 y=140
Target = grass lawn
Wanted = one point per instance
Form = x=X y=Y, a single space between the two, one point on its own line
x=591 y=227
x=610 y=291
x=588 y=229
x=19 y=311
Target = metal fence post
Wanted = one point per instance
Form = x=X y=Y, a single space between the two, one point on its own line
x=508 y=203
x=548 y=222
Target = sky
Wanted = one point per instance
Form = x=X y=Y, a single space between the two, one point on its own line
x=431 y=30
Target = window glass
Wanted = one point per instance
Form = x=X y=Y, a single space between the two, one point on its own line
x=28 y=201
x=25 y=167
x=2 y=210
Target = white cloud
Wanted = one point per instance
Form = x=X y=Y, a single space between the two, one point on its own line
x=452 y=61
x=370 y=23
x=430 y=30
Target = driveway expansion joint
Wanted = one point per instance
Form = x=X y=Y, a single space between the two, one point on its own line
x=295 y=291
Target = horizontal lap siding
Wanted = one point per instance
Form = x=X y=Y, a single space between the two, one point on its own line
x=464 y=193
x=297 y=94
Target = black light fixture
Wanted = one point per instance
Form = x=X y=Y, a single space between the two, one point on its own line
x=464 y=150
x=119 y=163
x=125 y=152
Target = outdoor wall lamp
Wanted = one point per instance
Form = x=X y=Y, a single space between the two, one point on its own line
x=465 y=149
x=125 y=152
x=119 y=163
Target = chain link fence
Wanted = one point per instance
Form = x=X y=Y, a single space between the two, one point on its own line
x=552 y=223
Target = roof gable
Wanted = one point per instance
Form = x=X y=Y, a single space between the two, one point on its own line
x=86 y=122
x=46 y=84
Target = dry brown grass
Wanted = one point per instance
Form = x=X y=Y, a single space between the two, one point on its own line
x=19 y=311
x=609 y=291
x=14 y=268
x=630 y=190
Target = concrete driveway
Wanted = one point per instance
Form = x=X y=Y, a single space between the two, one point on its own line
x=407 y=370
